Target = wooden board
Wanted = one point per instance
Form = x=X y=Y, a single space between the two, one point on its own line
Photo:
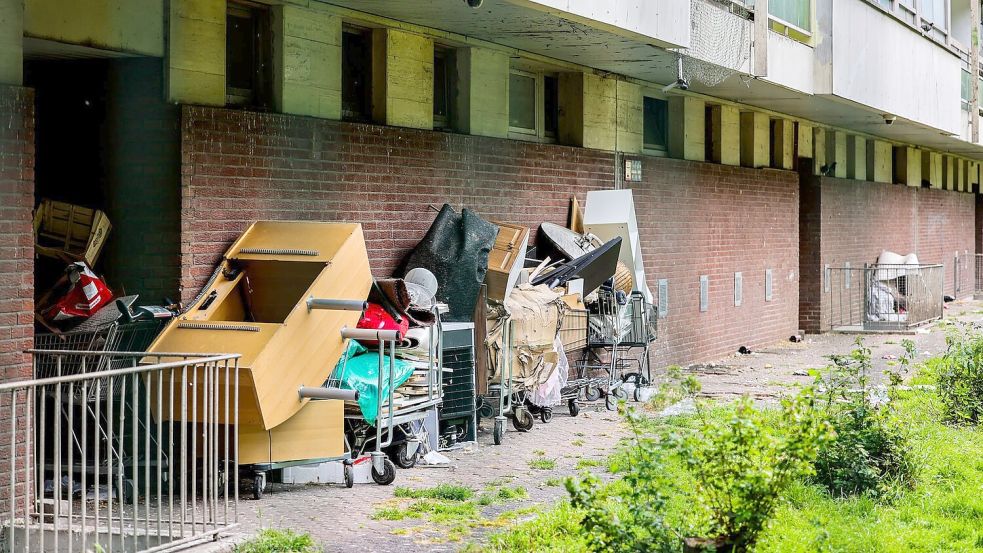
x=315 y=432
x=507 y=254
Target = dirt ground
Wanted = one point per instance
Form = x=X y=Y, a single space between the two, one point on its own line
x=341 y=519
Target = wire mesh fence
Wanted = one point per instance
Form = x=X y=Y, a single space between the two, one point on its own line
x=883 y=297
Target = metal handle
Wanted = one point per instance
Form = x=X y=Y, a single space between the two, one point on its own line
x=312 y=392
x=335 y=305
x=369 y=334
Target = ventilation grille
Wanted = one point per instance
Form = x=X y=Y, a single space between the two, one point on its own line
x=279 y=251
x=217 y=326
x=704 y=293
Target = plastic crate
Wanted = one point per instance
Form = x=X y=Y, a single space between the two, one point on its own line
x=573 y=329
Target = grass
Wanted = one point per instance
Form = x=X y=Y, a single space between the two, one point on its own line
x=588 y=463
x=278 y=541
x=542 y=463
x=944 y=511
x=449 y=492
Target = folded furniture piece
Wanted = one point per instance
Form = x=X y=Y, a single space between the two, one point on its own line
x=256 y=305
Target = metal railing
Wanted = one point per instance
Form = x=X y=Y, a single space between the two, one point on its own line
x=119 y=451
x=883 y=297
x=978 y=278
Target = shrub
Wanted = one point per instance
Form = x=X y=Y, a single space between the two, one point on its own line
x=960 y=377
x=278 y=541
x=743 y=463
x=869 y=453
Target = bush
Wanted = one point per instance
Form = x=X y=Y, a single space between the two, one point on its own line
x=960 y=377
x=278 y=541
x=869 y=453
x=743 y=463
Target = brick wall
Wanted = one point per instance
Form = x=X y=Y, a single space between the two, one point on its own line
x=694 y=218
x=16 y=263
x=857 y=220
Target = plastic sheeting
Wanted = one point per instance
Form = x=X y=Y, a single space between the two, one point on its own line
x=361 y=373
x=547 y=394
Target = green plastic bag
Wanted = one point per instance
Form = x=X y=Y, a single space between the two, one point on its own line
x=361 y=373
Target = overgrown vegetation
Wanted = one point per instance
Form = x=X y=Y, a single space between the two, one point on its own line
x=869 y=453
x=960 y=376
x=278 y=541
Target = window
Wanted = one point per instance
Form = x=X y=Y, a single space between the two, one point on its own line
x=797 y=13
x=248 y=46
x=356 y=74
x=655 y=121
x=443 y=92
x=533 y=104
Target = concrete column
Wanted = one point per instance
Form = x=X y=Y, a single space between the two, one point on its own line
x=402 y=79
x=482 y=103
x=630 y=117
x=908 y=166
x=879 y=161
x=932 y=168
x=782 y=144
x=725 y=134
x=949 y=173
x=588 y=111
x=12 y=42
x=755 y=137
x=836 y=153
x=805 y=135
x=960 y=176
x=307 y=56
x=856 y=157
x=687 y=128
x=196 y=52
x=973 y=176
x=819 y=156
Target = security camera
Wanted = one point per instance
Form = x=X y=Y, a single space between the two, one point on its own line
x=889 y=119
x=682 y=84
x=473 y=3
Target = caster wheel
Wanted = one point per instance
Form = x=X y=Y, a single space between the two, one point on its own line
x=349 y=476
x=498 y=431
x=620 y=393
x=522 y=420
x=403 y=460
x=486 y=411
x=638 y=394
x=574 y=408
x=259 y=482
x=546 y=414
x=388 y=473
x=610 y=402
x=592 y=394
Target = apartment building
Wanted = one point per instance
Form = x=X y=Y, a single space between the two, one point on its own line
x=760 y=150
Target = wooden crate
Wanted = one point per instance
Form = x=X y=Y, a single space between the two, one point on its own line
x=506 y=259
x=573 y=330
x=70 y=232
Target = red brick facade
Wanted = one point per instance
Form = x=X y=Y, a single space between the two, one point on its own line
x=852 y=222
x=695 y=218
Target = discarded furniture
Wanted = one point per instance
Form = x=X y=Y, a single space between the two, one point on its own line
x=610 y=214
x=70 y=232
x=506 y=259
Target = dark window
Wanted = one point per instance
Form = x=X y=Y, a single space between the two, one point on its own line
x=655 y=118
x=443 y=78
x=356 y=74
x=248 y=48
x=551 y=105
x=522 y=102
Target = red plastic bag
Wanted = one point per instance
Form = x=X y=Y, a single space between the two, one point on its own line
x=376 y=318
x=87 y=295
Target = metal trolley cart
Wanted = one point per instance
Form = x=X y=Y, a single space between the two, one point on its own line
x=620 y=335
x=506 y=399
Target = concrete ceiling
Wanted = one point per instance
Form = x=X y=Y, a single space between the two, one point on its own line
x=42 y=49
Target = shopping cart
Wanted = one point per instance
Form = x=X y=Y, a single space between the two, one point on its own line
x=622 y=329
x=506 y=399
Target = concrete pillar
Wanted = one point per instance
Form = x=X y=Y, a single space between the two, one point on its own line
x=949 y=173
x=630 y=118
x=960 y=173
x=402 y=79
x=725 y=135
x=588 y=111
x=805 y=135
x=908 y=166
x=836 y=149
x=879 y=161
x=12 y=42
x=307 y=62
x=819 y=150
x=687 y=128
x=932 y=168
x=973 y=176
x=856 y=157
x=196 y=52
x=782 y=144
x=482 y=103
x=755 y=139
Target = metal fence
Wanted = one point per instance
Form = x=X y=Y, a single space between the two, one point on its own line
x=883 y=297
x=978 y=280
x=119 y=451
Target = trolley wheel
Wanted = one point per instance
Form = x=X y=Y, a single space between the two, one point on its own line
x=349 y=476
x=546 y=414
x=620 y=393
x=574 y=407
x=637 y=395
x=403 y=460
x=592 y=393
x=486 y=411
x=498 y=431
x=259 y=480
x=388 y=473
x=522 y=420
x=610 y=403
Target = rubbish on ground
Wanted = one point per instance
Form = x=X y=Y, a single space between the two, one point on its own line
x=455 y=249
x=70 y=232
x=684 y=407
x=506 y=259
x=435 y=458
x=795 y=338
x=86 y=295
x=948 y=299
x=744 y=350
